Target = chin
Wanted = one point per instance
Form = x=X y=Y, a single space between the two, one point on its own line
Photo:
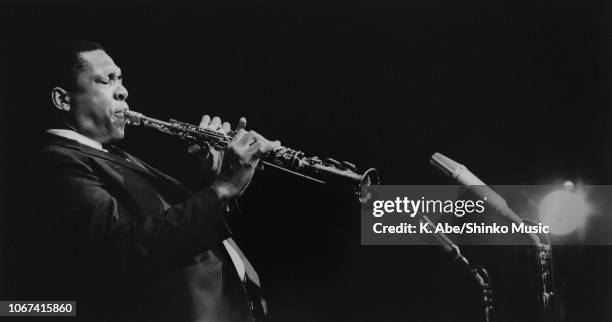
x=118 y=135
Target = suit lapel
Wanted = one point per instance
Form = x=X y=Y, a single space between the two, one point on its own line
x=153 y=171
x=145 y=169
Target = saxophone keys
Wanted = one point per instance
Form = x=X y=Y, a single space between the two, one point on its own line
x=348 y=165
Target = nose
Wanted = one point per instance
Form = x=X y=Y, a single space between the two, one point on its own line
x=122 y=93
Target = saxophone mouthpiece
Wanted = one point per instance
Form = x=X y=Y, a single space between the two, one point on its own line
x=132 y=117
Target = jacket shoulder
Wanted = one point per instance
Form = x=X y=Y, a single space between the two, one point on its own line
x=51 y=156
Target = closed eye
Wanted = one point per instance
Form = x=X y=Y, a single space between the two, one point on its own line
x=114 y=77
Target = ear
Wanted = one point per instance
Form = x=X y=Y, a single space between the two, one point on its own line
x=60 y=99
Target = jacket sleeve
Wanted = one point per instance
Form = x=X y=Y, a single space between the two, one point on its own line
x=92 y=221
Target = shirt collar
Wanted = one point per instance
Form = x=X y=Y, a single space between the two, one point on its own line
x=73 y=135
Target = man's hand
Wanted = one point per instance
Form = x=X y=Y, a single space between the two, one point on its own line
x=212 y=159
x=241 y=158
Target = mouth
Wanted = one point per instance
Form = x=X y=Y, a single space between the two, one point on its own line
x=120 y=114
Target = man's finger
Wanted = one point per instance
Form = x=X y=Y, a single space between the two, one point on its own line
x=225 y=128
x=276 y=145
x=215 y=123
x=250 y=138
x=238 y=137
x=263 y=145
x=241 y=123
x=204 y=122
x=194 y=149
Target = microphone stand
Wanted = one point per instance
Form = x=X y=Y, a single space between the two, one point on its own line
x=479 y=274
x=541 y=241
x=544 y=260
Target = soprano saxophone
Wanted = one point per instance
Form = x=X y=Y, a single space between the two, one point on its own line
x=324 y=170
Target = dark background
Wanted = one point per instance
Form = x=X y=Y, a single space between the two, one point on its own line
x=519 y=91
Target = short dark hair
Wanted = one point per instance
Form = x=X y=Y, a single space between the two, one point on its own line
x=60 y=67
x=66 y=62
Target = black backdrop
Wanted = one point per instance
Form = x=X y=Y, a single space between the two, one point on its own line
x=516 y=90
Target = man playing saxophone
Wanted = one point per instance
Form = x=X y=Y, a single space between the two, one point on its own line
x=125 y=240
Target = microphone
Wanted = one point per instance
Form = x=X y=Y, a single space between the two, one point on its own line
x=460 y=173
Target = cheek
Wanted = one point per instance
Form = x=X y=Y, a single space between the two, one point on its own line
x=99 y=107
x=91 y=103
x=94 y=111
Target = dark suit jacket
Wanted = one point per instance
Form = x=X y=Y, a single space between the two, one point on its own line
x=128 y=242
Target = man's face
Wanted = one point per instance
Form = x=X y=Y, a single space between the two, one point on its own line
x=98 y=103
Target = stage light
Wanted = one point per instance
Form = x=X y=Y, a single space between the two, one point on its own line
x=564 y=210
